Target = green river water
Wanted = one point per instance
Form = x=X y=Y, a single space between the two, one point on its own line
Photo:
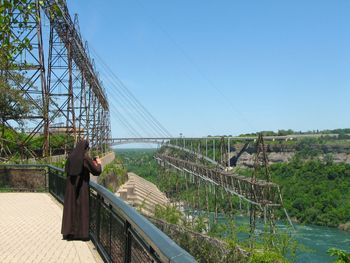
x=316 y=239
x=320 y=239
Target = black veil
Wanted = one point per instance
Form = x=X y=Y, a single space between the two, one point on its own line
x=75 y=161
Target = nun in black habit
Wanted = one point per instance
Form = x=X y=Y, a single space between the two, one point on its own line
x=75 y=222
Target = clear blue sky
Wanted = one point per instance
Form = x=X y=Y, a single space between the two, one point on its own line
x=227 y=67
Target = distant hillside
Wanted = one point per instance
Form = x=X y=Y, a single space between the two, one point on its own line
x=343 y=132
x=322 y=148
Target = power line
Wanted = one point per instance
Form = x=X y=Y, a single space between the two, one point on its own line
x=124 y=122
x=127 y=111
x=133 y=100
x=195 y=66
x=141 y=120
x=133 y=103
x=128 y=108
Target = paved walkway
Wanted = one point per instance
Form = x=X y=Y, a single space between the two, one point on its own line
x=30 y=231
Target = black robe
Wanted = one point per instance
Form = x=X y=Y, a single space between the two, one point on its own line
x=75 y=221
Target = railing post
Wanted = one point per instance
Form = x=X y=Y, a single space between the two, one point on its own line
x=47 y=178
x=98 y=218
x=110 y=229
x=127 y=252
x=56 y=185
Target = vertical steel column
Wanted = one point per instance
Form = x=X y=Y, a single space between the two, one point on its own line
x=206 y=147
x=82 y=110
x=44 y=90
x=98 y=129
x=70 y=131
x=88 y=113
x=228 y=152
x=53 y=98
x=60 y=81
x=214 y=149
x=28 y=62
x=221 y=151
x=93 y=130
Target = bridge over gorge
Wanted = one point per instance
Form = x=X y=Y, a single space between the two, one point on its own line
x=60 y=81
x=223 y=151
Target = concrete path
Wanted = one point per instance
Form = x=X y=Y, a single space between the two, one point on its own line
x=30 y=231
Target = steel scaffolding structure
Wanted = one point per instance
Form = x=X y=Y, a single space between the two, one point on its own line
x=257 y=192
x=262 y=196
x=67 y=96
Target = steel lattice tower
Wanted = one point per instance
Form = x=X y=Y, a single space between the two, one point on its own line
x=65 y=90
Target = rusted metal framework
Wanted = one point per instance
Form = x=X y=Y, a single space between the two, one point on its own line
x=67 y=94
x=261 y=169
x=261 y=195
x=258 y=192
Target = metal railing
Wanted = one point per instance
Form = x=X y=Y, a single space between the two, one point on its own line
x=118 y=231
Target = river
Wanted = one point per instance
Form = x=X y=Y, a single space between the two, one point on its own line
x=314 y=240
x=320 y=239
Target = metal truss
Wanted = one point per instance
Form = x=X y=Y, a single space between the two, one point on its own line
x=29 y=62
x=68 y=98
x=258 y=192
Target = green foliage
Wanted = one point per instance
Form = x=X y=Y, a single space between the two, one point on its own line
x=342 y=256
x=11 y=46
x=341 y=132
x=11 y=139
x=202 y=197
x=202 y=247
x=13 y=104
x=17 y=20
x=200 y=224
x=281 y=243
x=305 y=148
x=113 y=175
x=315 y=192
x=168 y=213
x=140 y=162
x=266 y=257
x=60 y=164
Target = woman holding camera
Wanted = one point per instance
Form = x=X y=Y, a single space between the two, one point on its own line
x=75 y=222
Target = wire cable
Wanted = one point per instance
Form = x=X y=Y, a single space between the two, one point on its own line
x=121 y=88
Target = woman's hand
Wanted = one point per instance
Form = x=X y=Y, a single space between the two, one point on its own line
x=98 y=160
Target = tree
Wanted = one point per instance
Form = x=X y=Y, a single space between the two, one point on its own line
x=13 y=104
x=10 y=45
x=342 y=256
